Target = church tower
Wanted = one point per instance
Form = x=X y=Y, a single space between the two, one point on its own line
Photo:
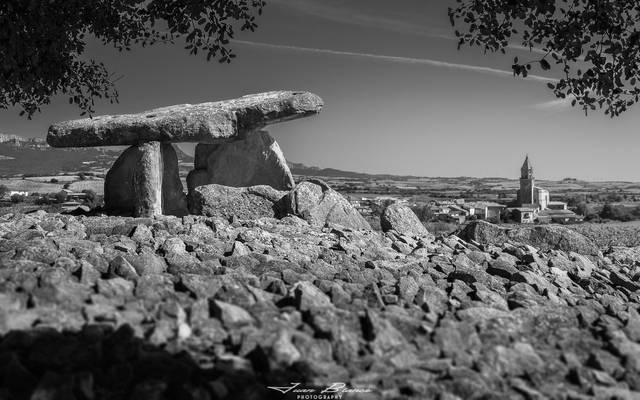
x=527 y=183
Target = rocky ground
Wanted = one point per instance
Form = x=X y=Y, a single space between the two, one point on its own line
x=611 y=234
x=205 y=308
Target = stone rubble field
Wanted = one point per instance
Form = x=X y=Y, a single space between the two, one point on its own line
x=610 y=234
x=213 y=308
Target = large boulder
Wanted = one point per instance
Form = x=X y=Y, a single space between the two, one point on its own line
x=200 y=123
x=554 y=237
x=484 y=233
x=244 y=203
x=403 y=220
x=318 y=204
x=144 y=181
x=543 y=237
x=255 y=160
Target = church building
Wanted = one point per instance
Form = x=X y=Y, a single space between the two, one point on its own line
x=531 y=196
x=534 y=204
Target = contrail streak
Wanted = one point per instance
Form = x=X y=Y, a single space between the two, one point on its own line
x=394 y=59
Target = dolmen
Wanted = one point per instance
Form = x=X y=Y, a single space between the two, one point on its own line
x=233 y=148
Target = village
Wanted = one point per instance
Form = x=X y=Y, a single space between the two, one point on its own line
x=532 y=204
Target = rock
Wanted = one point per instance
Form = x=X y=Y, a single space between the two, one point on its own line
x=318 y=204
x=121 y=267
x=554 y=237
x=252 y=161
x=381 y=333
x=200 y=123
x=144 y=182
x=283 y=351
x=483 y=232
x=308 y=296
x=623 y=281
x=626 y=255
x=146 y=262
x=230 y=315
x=544 y=237
x=226 y=309
x=502 y=268
x=518 y=359
x=141 y=234
x=245 y=203
x=602 y=392
x=403 y=220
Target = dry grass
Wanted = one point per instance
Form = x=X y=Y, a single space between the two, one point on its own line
x=96 y=185
x=59 y=178
x=31 y=186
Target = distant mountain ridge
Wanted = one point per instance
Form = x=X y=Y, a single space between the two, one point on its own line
x=302 y=169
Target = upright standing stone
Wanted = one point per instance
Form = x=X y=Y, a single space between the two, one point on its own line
x=144 y=181
x=255 y=160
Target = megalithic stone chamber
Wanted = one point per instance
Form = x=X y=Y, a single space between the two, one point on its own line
x=144 y=181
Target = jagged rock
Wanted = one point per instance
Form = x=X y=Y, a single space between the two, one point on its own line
x=308 y=296
x=254 y=160
x=502 y=268
x=623 y=281
x=318 y=204
x=121 y=267
x=230 y=315
x=144 y=182
x=403 y=220
x=244 y=203
x=200 y=123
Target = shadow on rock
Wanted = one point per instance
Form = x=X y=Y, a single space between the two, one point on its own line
x=99 y=362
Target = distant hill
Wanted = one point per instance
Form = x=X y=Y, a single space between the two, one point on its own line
x=32 y=156
x=301 y=169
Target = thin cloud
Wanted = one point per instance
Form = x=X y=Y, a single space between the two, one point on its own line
x=556 y=105
x=343 y=14
x=394 y=59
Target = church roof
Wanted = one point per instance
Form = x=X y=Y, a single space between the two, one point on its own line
x=527 y=168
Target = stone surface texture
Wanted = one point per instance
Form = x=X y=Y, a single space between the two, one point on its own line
x=403 y=220
x=200 y=123
x=318 y=204
x=255 y=160
x=547 y=237
x=144 y=181
x=244 y=203
x=202 y=308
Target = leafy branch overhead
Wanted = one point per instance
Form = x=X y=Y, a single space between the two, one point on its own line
x=42 y=42
x=594 y=45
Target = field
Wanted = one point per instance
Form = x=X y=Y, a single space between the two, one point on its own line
x=31 y=186
x=44 y=185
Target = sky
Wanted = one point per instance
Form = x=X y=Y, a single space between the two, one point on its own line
x=399 y=97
